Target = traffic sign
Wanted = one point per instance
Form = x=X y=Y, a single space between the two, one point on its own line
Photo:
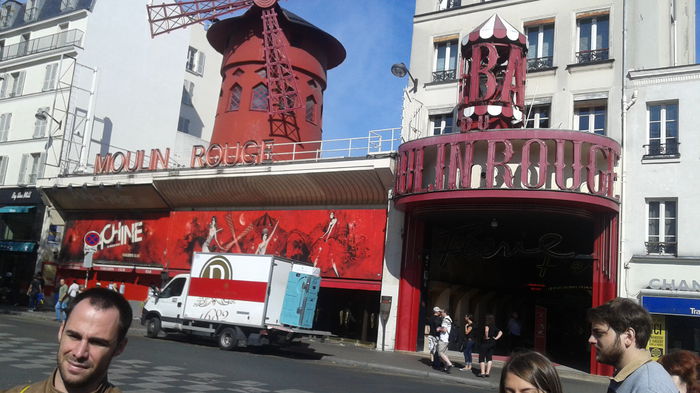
x=92 y=239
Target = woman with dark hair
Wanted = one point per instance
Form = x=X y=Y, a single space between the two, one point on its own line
x=490 y=335
x=529 y=372
x=468 y=342
x=684 y=367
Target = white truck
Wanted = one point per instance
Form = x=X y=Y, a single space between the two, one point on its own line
x=239 y=299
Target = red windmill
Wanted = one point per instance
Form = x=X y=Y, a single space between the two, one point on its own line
x=290 y=69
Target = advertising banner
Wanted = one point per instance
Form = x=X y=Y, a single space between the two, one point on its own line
x=343 y=243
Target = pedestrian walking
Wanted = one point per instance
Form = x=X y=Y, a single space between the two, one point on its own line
x=61 y=300
x=92 y=335
x=434 y=322
x=529 y=372
x=620 y=330
x=468 y=342
x=514 y=332
x=73 y=290
x=490 y=335
x=444 y=341
x=33 y=292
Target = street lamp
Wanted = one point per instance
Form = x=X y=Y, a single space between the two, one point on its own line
x=400 y=70
x=43 y=115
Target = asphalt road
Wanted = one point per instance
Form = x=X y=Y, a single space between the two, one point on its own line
x=28 y=352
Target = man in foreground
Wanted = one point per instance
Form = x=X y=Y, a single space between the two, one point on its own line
x=94 y=332
x=620 y=330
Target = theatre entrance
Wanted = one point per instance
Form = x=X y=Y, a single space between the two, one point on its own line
x=538 y=264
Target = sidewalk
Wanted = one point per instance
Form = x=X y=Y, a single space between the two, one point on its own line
x=353 y=355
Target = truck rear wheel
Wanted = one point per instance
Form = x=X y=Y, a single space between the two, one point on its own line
x=227 y=339
x=153 y=327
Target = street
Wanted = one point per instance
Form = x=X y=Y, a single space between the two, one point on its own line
x=28 y=352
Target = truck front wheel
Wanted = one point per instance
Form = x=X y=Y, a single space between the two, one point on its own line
x=152 y=327
x=227 y=339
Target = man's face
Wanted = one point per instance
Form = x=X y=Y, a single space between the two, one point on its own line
x=62 y=281
x=608 y=345
x=87 y=343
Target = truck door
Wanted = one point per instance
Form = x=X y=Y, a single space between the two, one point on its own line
x=171 y=301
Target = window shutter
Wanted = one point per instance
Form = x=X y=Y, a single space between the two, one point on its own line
x=5 y=121
x=19 y=85
x=200 y=63
x=3 y=85
x=42 y=165
x=23 y=169
x=50 y=76
x=3 y=168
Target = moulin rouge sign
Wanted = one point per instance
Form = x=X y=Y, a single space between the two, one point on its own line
x=216 y=155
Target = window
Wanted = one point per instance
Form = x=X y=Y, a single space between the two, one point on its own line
x=447 y=4
x=50 y=76
x=195 y=61
x=663 y=130
x=23 y=46
x=7 y=14
x=663 y=219
x=442 y=124
x=31 y=10
x=538 y=116
x=259 y=100
x=5 y=122
x=41 y=125
x=445 y=60
x=174 y=288
x=187 y=92
x=235 y=101
x=68 y=4
x=183 y=125
x=16 y=84
x=590 y=117
x=3 y=169
x=540 y=39
x=31 y=169
x=593 y=38
x=311 y=109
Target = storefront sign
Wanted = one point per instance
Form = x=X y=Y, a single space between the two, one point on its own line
x=674 y=285
x=514 y=159
x=672 y=305
x=214 y=156
x=657 y=339
x=20 y=196
x=17 y=246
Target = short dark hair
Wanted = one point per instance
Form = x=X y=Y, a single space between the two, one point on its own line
x=103 y=298
x=533 y=368
x=621 y=314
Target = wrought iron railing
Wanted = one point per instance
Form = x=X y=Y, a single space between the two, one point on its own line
x=42 y=44
x=663 y=248
x=590 y=56
x=442 y=76
x=656 y=148
x=540 y=63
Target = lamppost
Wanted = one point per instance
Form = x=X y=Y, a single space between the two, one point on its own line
x=400 y=70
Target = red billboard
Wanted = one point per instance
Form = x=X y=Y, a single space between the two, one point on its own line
x=343 y=243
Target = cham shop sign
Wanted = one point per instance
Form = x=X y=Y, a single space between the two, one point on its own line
x=509 y=159
x=216 y=155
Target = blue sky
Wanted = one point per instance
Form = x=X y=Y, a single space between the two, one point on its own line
x=362 y=94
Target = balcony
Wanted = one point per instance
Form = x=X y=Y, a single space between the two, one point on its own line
x=540 y=63
x=661 y=248
x=656 y=149
x=42 y=44
x=592 y=56
x=444 y=76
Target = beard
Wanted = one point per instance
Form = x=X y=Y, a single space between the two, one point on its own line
x=612 y=354
x=91 y=375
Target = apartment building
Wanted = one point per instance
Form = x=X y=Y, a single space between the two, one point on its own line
x=80 y=78
x=659 y=257
x=544 y=248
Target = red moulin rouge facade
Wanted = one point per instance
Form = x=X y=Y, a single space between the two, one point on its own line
x=501 y=219
x=242 y=112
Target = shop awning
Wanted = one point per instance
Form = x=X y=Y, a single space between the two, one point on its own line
x=15 y=209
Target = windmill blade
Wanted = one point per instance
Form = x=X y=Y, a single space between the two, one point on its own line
x=165 y=18
x=282 y=88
